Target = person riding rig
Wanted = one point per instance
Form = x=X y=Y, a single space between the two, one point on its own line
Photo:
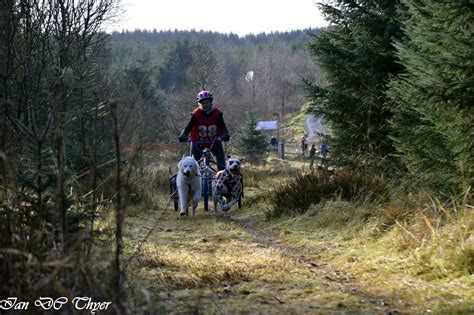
x=206 y=124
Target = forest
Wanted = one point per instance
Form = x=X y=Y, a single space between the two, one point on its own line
x=174 y=66
x=89 y=132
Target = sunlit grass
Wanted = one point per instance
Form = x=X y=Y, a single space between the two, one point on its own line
x=406 y=254
x=205 y=253
x=294 y=128
x=391 y=263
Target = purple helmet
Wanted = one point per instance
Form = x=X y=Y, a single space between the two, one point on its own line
x=204 y=95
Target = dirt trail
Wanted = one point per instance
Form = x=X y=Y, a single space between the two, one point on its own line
x=304 y=257
x=215 y=265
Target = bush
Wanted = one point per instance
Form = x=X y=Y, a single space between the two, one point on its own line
x=297 y=195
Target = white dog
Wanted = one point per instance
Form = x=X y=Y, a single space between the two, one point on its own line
x=227 y=185
x=188 y=184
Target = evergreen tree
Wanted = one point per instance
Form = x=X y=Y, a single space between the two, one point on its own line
x=251 y=143
x=172 y=76
x=358 y=58
x=435 y=95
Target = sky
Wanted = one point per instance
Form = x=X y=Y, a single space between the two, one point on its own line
x=240 y=17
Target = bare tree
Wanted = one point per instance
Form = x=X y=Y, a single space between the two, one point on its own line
x=50 y=54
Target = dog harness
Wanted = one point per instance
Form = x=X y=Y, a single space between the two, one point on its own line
x=228 y=180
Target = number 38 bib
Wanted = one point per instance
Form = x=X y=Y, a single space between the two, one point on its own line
x=205 y=129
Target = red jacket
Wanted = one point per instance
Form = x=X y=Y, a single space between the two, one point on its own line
x=206 y=129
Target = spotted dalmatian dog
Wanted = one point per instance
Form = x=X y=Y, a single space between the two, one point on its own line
x=227 y=185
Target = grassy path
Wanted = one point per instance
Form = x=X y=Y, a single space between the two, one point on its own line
x=220 y=266
x=338 y=257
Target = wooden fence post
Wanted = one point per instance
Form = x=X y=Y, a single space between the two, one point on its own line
x=282 y=150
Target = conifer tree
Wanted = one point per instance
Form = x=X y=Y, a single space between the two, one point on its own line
x=358 y=58
x=251 y=143
x=435 y=95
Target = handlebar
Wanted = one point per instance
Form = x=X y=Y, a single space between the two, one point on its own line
x=206 y=149
x=203 y=142
x=207 y=144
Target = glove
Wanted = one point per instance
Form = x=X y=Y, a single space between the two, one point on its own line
x=225 y=137
x=183 y=138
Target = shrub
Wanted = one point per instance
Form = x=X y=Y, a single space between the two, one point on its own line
x=297 y=195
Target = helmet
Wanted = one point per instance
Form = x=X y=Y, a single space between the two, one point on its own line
x=204 y=95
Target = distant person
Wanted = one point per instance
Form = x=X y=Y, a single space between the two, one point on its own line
x=204 y=127
x=323 y=150
x=304 y=145
x=312 y=155
x=274 y=141
x=274 y=144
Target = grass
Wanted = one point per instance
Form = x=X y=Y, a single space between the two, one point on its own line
x=348 y=254
x=416 y=265
x=200 y=261
x=304 y=189
x=295 y=128
x=416 y=252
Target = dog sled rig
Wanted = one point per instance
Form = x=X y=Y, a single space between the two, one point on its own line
x=208 y=167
